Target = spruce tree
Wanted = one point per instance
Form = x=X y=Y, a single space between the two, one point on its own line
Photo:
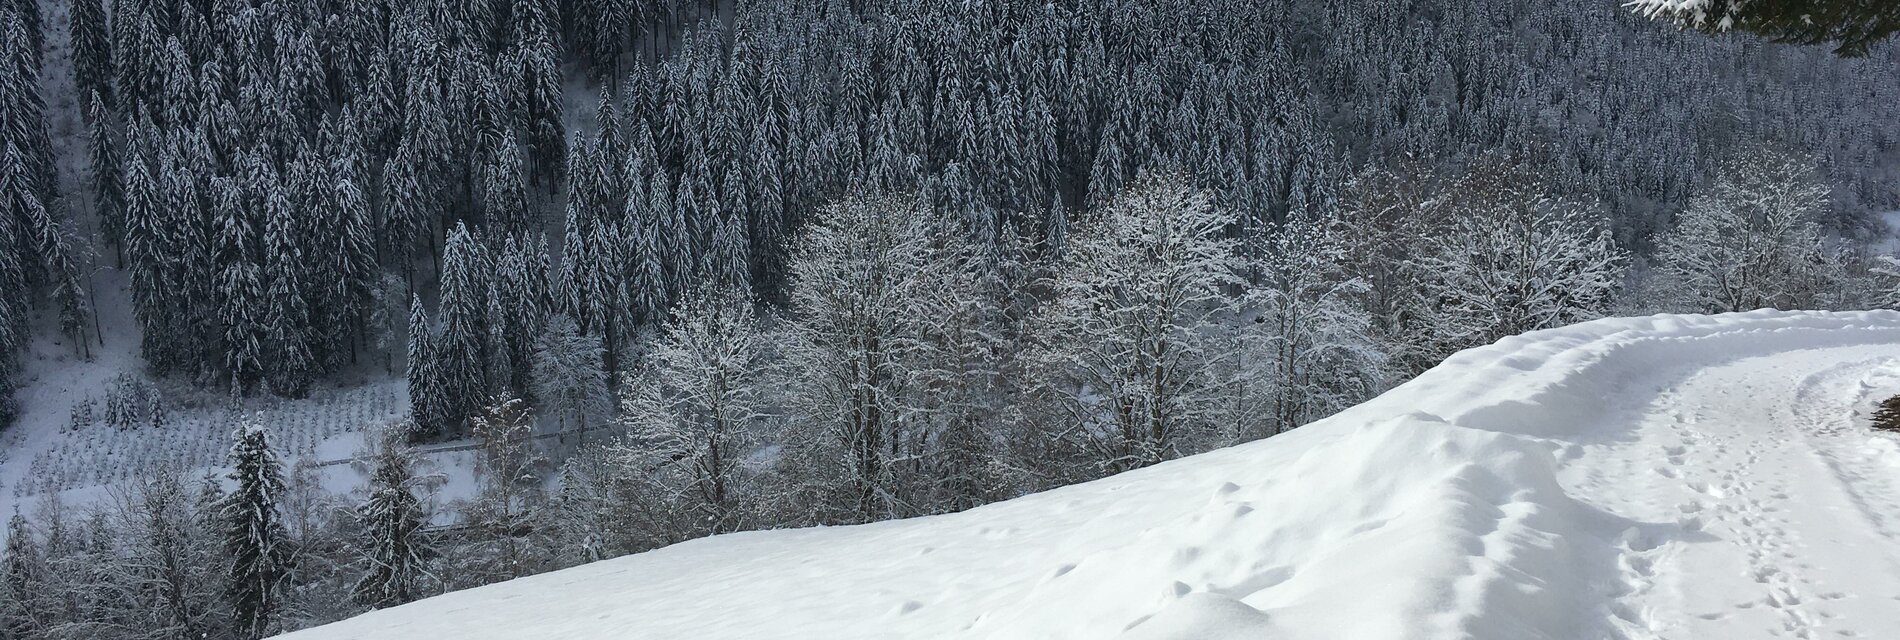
x=457 y=355
x=108 y=193
x=255 y=538
x=241 y=297
x=289 y=320
x=537 y=65
x=92 y=50
x=354 y=258
x=425 y=388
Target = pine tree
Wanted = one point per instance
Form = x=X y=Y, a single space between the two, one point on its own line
x=241 y=294
x=426 y=404
x=291 y=361
x=108 y=191
x=354 y=258
x=61 y=267
x=16 y=249
x=392 y=519
x=405 y=220
x=505 y=192
x=457 y=355
x=254 y=535
x=92 y=51
x=536 y=60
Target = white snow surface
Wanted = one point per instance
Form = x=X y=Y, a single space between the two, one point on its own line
x=1658 y=477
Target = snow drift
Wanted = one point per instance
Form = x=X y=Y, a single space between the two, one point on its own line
x=1434 y=510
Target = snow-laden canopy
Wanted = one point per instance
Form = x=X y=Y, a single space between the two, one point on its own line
x=1695 y=473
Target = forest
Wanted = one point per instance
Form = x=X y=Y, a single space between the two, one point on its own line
x=797 y=262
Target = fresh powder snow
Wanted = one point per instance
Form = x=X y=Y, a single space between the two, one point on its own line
x=1657 y=477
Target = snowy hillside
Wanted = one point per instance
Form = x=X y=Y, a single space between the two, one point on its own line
x=1670 y=476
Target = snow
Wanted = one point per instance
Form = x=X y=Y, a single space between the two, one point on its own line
x=1668 y=476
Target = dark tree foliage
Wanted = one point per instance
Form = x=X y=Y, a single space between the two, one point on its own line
x=1887 y=418
x=1852 y=26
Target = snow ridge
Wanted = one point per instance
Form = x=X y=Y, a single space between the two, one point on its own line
x=1455 y=506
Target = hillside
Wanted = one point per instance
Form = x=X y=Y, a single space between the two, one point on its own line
x=1667 y=476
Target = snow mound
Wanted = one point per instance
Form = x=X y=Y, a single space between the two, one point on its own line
x=1434 y=510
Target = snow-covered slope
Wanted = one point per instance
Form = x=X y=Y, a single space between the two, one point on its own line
x=1671 y=476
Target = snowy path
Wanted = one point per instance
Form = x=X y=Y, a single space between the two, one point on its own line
x=1781 y=514
x=1636 y=478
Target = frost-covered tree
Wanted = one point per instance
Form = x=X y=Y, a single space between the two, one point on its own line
x=855 y=279
x=291 y=361
x=426 y=402
x=509 y=495
x=457 y=353
x=23 y=577
x=256 y=542
x=92 y=49
x=1750 y=240
x=1121 y=360
x=105 y=182
x=1513 y=258
x=1307 y=347
x=962 y=367
x=568 y=377
x=697 y=411
x=172 y=561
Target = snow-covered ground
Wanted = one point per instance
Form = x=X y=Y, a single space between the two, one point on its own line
x=1662 y=477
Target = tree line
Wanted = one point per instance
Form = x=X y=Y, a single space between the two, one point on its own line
x=914 y=371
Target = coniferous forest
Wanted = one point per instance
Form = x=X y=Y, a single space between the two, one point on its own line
x=774 y=263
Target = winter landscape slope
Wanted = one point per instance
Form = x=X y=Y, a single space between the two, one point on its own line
x=1659 y=477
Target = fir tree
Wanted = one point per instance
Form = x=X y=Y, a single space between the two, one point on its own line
x=108 y=189
x=255 y=538
x=92 y=51
x=426 y=404
x=457 y=355
x=291 y=361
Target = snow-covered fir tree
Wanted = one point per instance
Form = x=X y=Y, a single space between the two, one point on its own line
x=256 y=543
